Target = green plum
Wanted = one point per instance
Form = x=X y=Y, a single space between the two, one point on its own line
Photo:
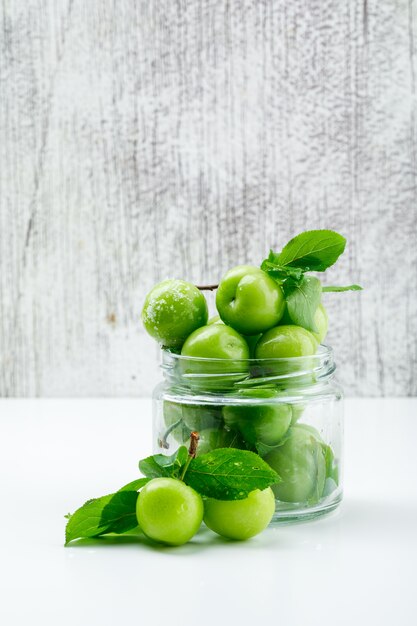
x=173 y=309
x=297 y=411
x=240 y=519
x=332 y=470
x=194 y=416
x=285 y=342
x=227 y=349
x=311 y=430
x=300 y=462
x=251 y=340
x=169 y=511
x=213 y=438
x=263 y=422
x=249 y=300
x=216 y=341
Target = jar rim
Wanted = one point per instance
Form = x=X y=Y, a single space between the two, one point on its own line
x=214 y=374
x=323 y=352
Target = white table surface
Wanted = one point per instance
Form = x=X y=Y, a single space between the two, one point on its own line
x=356 y=566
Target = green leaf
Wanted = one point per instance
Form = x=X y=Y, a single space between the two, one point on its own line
x=135 y=485
x=229 y=474
x=313 y=250
x=280 y=272
x=115 y=513
x=347 y=288
x=302 y=301
x=162 y=465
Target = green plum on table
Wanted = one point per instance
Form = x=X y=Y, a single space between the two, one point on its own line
x=240 y=519
x=263 y=422
x=169 y=511
x=249 y=300
x=172 y=310
x=301 y=464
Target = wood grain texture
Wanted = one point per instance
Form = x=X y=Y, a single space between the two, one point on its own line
x=145 y=139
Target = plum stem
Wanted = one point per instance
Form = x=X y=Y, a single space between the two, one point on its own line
x=207 y=287
x=192 y=451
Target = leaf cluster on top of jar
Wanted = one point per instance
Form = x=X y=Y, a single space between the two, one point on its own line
x=310 y=251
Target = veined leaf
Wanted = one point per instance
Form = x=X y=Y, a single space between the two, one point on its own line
x=280 y=272
x=313 y=250
x=115 y=513
x=303 y=298
x=229 y=474
x=162 y=465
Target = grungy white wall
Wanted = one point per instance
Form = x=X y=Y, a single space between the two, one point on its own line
x=147 y=139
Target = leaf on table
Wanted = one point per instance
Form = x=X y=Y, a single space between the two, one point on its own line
x=312 y=250
x=114 y=513
x=162 y=465
x=229 y=474
x=302 y=299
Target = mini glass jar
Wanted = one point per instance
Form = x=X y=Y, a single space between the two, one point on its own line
x=289 y=411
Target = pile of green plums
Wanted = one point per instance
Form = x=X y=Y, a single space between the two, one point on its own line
x=170 y=512
x=252 y=323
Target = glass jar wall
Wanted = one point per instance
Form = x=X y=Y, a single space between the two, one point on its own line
x=289 y=411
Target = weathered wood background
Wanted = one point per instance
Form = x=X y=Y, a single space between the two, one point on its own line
x=154 y=138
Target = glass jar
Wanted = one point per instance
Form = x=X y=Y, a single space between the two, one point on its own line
x=289 y=411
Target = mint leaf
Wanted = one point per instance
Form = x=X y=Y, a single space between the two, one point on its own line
x=313 y=250
x=135 y=485
x=229 y=474
x=347 y=288
x=162 y=465
x=303 y=298
x=115 y=513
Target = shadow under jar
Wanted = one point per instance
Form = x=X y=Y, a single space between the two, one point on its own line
x=289 y=411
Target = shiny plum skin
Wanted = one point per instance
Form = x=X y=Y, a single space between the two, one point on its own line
x=249 y=300
x=168 y=511
x=240 y=519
